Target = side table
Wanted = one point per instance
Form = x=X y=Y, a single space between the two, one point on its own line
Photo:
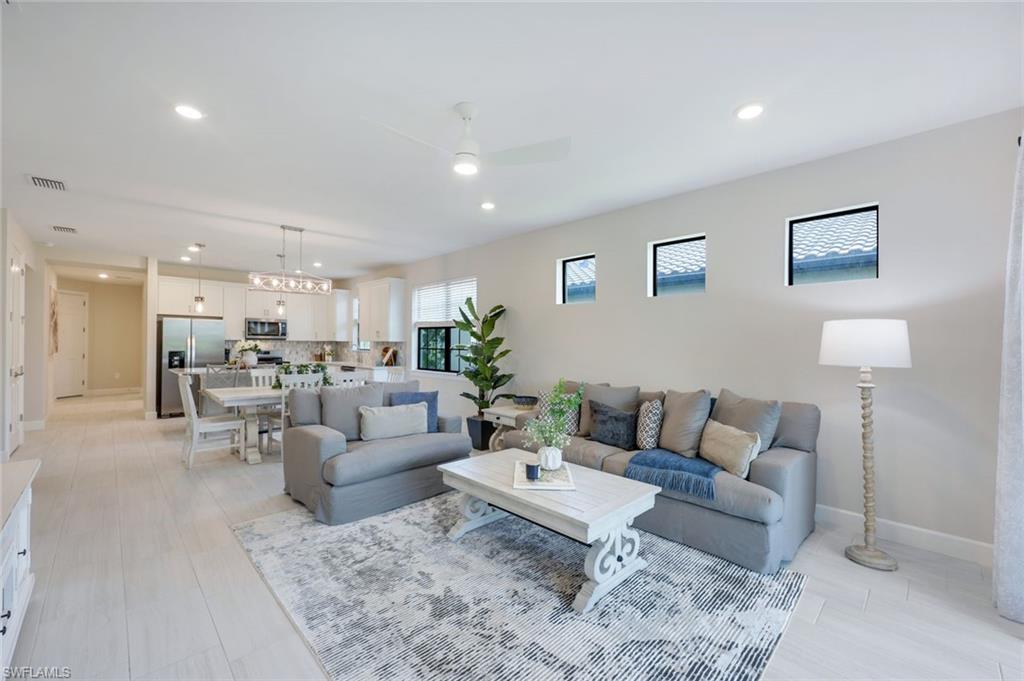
x=504 y=420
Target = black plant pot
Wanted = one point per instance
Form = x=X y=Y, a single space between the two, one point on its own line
x=480 y=432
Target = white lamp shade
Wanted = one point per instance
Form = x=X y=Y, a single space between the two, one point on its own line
x=865 y=343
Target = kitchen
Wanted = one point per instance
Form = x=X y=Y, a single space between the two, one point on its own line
x=200 y=322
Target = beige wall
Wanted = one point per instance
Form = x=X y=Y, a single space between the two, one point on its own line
x=115 y=333
x=944 y=213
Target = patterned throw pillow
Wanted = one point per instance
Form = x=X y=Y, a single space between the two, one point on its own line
x=648 y=424
x=572 y=421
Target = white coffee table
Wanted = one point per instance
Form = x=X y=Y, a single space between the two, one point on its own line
x=599 y=512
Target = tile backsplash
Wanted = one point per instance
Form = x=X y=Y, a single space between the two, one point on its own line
x=302 y=351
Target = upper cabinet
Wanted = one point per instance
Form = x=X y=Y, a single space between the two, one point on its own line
x=340 y=317
x=381 y=306
x=176 y=296
x=263 y=305
x=317 y=317
x=234 y=311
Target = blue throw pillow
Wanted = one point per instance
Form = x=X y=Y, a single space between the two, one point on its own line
x=415 y=398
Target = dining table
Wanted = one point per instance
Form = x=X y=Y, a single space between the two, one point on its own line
x=247 y=400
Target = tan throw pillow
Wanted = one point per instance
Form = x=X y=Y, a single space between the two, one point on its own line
x=730 y=448
x=749 y=415
x=377 y=423
x=685 y=415
x=619 y=398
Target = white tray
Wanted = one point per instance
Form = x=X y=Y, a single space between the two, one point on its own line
x=560 y=479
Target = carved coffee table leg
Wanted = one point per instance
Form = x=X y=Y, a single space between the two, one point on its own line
x=475 y=513
x=610 y=561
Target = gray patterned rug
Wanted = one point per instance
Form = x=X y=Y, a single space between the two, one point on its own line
x=391 y=597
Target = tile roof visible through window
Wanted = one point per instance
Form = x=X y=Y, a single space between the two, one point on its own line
x=682 y=258
x=837 y=235
x=581 y=272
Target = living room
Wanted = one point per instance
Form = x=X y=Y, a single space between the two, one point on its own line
x=754 y=323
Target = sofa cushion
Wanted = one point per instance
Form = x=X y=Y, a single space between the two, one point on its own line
x=729 y=448
x=798 y=427
x=685 y=416
x=650 y=396
x=379 y=423
x=377 y=458
x=588 y=452
x=389 y=388
x=733 y=496
x=428 y=398
x=616 y=427
x=517 y=439
x=340 y=407
x=750 y=415
x=624 y=398
x=304 y=407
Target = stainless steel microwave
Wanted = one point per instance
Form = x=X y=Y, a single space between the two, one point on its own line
x=268 y=329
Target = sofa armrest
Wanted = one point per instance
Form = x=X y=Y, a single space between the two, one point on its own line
x=449 y=424
x=308 y=449
x=525 y=417
x=792 y=474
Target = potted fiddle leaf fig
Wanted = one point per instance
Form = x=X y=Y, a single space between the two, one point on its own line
x=481 y=356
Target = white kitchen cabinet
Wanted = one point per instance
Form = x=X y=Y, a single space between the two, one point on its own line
x=16 y=578
x=300 y=309
x=176 y=296
x=382 y=310
x=234 y=312
x=339 y=315
x=263 y=305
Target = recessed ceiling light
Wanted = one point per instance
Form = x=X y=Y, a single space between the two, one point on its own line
x=103 y=275
x=185 y=258
x=194 y=248
x=749 y=111
x=487 y=205
x=318 y=264
x=189 y=112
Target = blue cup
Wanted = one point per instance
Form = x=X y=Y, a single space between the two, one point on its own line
x=533 y=471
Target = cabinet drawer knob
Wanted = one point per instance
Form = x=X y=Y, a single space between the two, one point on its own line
x=6 y=615
x=23 y=552
x=3 y=632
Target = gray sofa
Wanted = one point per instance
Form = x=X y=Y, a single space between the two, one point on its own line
x=341 y=478
x=758 y=522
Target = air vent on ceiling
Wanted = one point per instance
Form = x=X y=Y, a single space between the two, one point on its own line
x=47 y=183
x=65 y=230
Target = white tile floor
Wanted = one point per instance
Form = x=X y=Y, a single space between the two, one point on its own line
x=138 y=575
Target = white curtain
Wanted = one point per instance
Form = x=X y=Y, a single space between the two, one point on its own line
x=1008 y=560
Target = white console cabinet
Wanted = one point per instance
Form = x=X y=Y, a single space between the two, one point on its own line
x=16 y=578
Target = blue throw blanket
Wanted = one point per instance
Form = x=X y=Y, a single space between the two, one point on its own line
x=669 y=470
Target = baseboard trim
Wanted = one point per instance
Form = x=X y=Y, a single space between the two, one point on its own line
x=911 y=535
x=112 y=391
x=150 y=415
x=34 y=425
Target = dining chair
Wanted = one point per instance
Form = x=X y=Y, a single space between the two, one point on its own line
x=394 y=374
x=288 y=382
x=266 y=417
x=196 y=426
x=346 y=379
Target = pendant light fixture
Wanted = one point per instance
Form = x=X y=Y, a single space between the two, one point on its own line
x=284 y=281
x=200 y=300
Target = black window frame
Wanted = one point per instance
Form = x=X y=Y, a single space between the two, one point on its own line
x=565 y=278
x=654 y=258
x=449 y=348
x=866 y=208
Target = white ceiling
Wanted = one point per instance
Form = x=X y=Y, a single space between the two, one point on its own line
x=115 y=276
x=646 y=92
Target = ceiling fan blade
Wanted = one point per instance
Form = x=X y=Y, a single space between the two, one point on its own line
x=411 y=138
x=542 y=152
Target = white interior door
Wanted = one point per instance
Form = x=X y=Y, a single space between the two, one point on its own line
x=16 y=334
x=72 y=346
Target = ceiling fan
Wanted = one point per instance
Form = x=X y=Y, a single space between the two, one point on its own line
x=467 y=157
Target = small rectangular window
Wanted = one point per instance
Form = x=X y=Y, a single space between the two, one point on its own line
x=833 y=246
x=578 y=280
x=437 y=348
x=678 y=265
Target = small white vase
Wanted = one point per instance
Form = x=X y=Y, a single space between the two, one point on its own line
x=249 y=359
x=549 y=458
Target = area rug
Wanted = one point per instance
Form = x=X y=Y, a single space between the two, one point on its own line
x=391 y=597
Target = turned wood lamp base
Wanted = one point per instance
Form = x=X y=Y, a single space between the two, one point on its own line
x=870 y=556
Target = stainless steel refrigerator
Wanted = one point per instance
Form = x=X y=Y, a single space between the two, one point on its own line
x=184 y=343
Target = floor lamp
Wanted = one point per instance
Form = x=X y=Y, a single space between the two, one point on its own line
x=866 y=343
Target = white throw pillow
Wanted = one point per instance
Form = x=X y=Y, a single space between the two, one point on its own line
x=728 y=447
x=377 y=423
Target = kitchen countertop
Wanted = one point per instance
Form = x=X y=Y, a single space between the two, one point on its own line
x=15 y=477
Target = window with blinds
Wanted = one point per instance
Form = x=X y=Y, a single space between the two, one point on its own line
x=441 y=302
x=437 y=340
